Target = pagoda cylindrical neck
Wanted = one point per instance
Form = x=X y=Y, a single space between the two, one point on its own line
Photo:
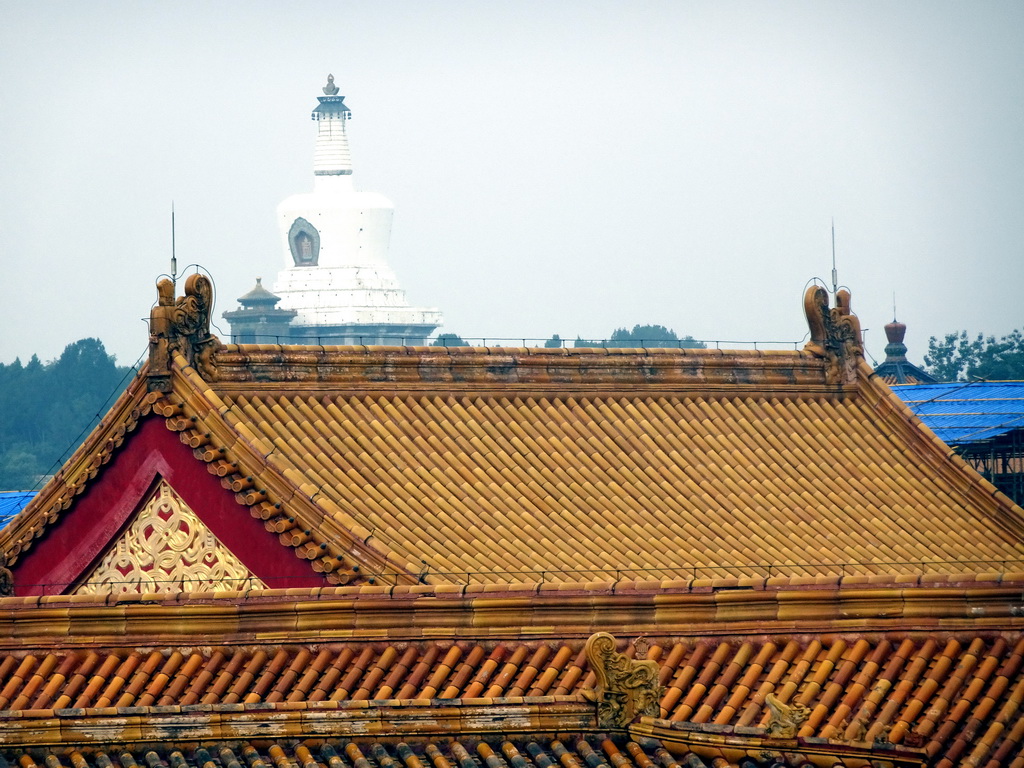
x=331 y=156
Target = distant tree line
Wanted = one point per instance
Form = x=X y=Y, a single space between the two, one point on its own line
x=958 y=357
x=643 y=336
x=47 y=408
x=449 y=340
x=640 y=336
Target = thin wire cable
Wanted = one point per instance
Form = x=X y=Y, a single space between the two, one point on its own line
x=528 y=342
x=90 y=425
x=781 y=570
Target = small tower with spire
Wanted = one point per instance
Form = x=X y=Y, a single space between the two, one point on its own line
x=897 y=369
x=259 y=321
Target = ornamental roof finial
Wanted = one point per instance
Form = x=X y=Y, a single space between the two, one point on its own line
x=835 y=334
x=181 y=325
x=626 y=688
x=330 y=89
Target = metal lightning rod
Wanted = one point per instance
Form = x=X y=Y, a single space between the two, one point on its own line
x=174 y=258
x=835 y=274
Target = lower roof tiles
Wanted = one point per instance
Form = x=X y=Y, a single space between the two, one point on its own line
x=567 y=751
x=183 y=747
x=955 y=696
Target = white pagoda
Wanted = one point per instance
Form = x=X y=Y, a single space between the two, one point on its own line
x=337 y=279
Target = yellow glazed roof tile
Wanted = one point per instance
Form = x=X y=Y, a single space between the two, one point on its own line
x=491 y=462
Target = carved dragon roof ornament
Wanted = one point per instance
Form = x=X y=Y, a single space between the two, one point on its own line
x=835 y=334
x=626 y=689
x=784 y=719
x=181 y=325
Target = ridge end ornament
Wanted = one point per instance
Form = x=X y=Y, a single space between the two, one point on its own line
x=182 y=325
x=835 y=334
x=626 y=688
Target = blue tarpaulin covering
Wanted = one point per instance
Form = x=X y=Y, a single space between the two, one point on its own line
x=11 y=503
x=965 y=413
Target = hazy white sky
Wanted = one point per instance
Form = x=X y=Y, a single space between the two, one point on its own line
x=556 y=167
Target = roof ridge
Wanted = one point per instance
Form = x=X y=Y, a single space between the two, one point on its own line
x=966 y=582
x=91 y=726
x=412 y=613
x=366 y=368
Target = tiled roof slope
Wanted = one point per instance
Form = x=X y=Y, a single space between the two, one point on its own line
x=652 y=481
x=944 y=692
x=902 y=373
x=455 y=465
x=942 y=675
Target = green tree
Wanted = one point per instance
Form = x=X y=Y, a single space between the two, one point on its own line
x=45 y=409
x=449 y=340
x=958 y=357
x=19 y=469
x=644 y=336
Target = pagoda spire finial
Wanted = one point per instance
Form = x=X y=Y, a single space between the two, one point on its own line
x=331 y=157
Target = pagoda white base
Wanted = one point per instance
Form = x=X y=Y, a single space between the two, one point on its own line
x=350 y=295
x=390 y=335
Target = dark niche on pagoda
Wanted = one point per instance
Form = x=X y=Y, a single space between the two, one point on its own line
x=304 y=243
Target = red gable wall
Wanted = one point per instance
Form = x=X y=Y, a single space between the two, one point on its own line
x=83 y=533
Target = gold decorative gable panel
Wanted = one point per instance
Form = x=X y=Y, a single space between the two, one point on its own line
x=167 y=546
